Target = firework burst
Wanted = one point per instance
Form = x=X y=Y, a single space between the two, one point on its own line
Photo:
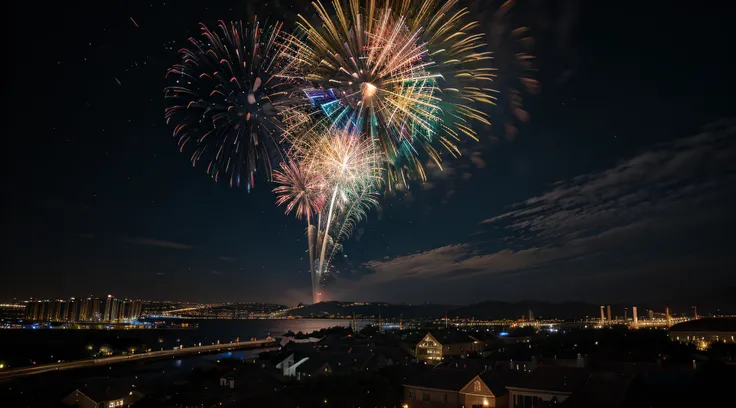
x=223 y=99
x=300 y=189
x=406 y=74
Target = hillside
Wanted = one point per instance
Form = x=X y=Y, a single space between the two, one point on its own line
x=361 y=309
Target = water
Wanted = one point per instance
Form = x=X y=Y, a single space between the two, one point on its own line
x=24 y=347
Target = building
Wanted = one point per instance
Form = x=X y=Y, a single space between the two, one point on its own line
x=433 y=347
x=102 y=396
x=446 y=387
x=609 y=312
x=601 y=393
x=437 y=388
x=65 y=313
x=704 y=332
x=289 y=365
x=107 y=311
x=636 y=317
x=95 y=315
x=546 y=385
x=74 y=310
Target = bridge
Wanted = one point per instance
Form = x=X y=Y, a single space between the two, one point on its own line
x=105 y=361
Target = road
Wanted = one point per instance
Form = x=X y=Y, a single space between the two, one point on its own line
x=104 y=361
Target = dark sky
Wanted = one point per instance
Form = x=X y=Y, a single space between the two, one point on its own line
x=620 y=187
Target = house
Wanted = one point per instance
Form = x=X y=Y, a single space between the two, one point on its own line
x=102 y=396
x=436 y=388
x=289 y=365
x=704 y=332
x=314 y=365
x=433 y=347
x=297 y=340
x=600 y=393
x=449 y=387
x=249 y=381
x=546 y=385
x=485 y=390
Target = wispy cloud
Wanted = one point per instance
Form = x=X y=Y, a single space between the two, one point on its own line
x=226 y=258
x=657 y=211
x=661 y=182
x=157 y=243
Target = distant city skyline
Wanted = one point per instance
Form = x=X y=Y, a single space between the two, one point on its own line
x=84 y=310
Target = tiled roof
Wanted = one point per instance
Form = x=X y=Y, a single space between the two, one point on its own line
x=106 y=392
x=559 y=379
x=442 y=379
x=451 y=337
x=600 y=394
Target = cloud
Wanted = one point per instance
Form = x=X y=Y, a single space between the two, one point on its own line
x=668 y=180
x=477 y=159
x=157 y=243
x=662 y=210
x=226 y=258
x=215 y=272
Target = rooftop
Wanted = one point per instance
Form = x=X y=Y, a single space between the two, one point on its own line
x=105 y=392
x=600 y=394
x=451 y=337
x=555 y=379
x=716 y=324
x=442 y=379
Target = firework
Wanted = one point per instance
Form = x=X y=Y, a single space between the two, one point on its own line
x=406 y=75
x=350 y=165
x=224 y=100
x=335 y=163
x=300 y=189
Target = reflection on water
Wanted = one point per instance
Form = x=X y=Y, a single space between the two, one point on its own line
x=22 y=347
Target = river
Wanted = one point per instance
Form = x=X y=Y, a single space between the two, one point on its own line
x=26 y=347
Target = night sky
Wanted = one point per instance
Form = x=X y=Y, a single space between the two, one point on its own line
x=620 y=187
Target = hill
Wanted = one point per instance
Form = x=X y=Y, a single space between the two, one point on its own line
x=719 y=302
x=371 y=309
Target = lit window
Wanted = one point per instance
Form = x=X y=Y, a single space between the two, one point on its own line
x=476 y=386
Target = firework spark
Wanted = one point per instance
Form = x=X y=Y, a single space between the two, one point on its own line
x=224 y=99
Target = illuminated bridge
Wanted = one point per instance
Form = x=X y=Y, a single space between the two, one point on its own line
x=180 y=351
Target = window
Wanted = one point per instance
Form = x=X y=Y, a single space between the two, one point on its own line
x=476 y=386
x=445 y=398
x=412 y=394
x=425 y=396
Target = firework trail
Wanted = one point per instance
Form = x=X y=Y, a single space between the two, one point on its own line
x=301 y=190
x=333 y=173
x=224 y=100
